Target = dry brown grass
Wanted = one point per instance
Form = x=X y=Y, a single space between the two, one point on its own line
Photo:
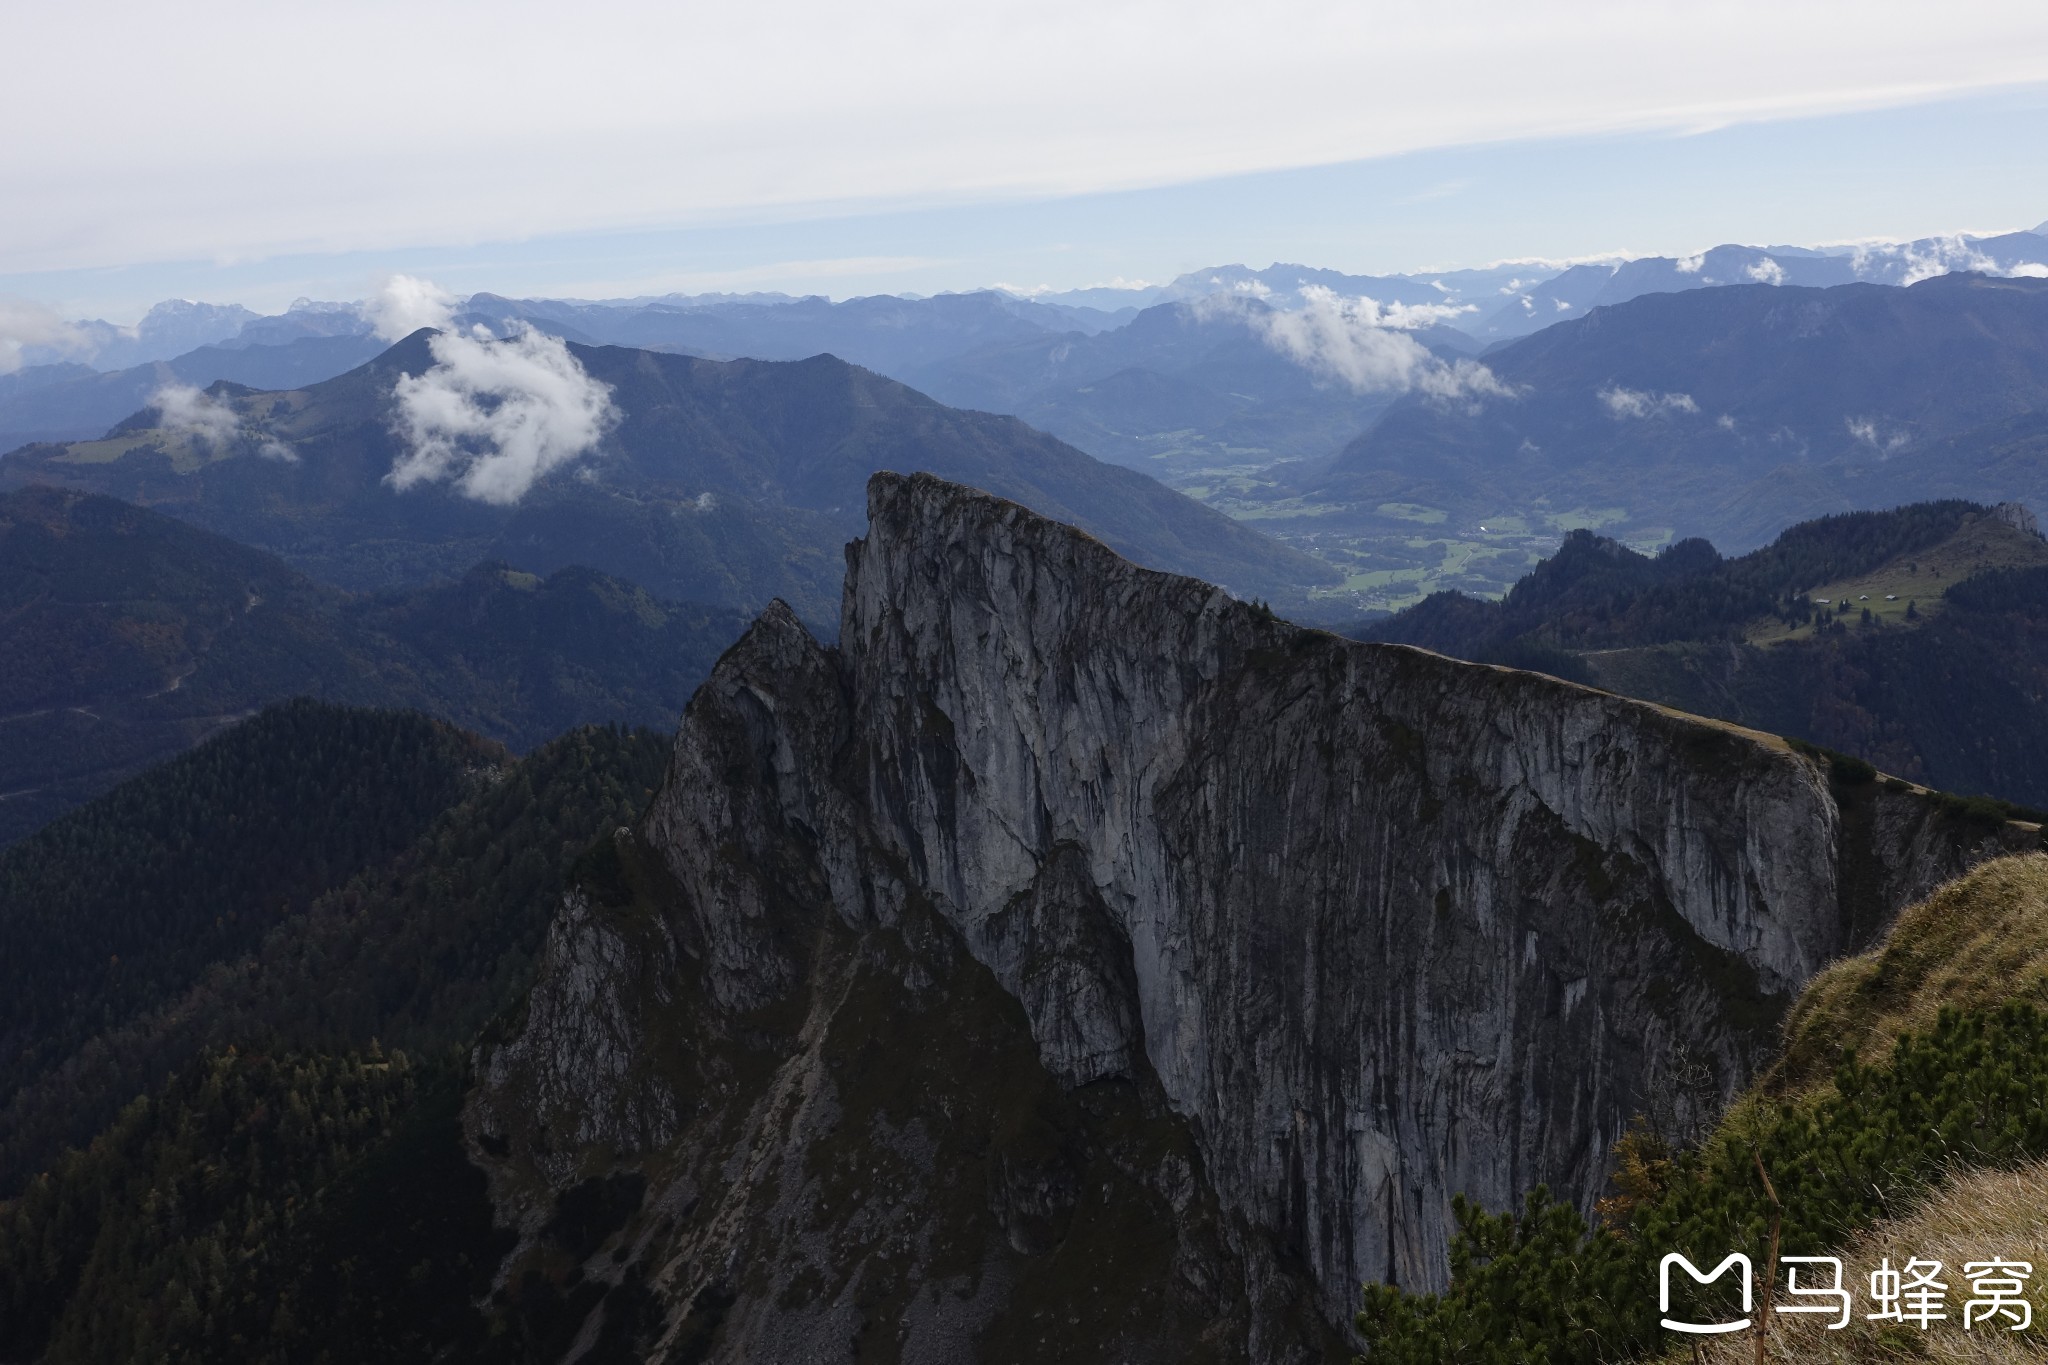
x=1975 y=943
x=1973 y=1217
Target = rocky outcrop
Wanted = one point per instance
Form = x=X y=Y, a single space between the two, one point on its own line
x=1078 y=963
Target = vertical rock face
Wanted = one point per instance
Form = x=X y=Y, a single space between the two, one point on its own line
x=1275 y=940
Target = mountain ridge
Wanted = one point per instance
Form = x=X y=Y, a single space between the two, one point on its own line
x=1162 y=826
x=1910 y=638
x=782 y=449
x=1732 y=412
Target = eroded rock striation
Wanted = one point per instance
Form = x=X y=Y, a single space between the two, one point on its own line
x=1078 y=963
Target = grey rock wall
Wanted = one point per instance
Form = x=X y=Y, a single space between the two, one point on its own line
x=1352 y=927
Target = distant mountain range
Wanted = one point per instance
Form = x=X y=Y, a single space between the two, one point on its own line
x=905 y=337
x=725 y=482
x=1534 y=305
x=1515 y=298
x=73 y=402
x=170 y=328
x=1733 y=412
x=1180 y=389
x=1197 y=383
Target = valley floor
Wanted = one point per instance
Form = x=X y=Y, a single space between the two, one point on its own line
x=1394 y=554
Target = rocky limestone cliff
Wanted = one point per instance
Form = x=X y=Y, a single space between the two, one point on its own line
x=1077 y=963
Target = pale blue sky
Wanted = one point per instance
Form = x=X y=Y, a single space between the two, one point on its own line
x=932 y=147
x=1970 y=164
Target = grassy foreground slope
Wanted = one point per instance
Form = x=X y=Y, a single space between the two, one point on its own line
x=1975 y=1214
x=1915 y=1080
x=1977 y=943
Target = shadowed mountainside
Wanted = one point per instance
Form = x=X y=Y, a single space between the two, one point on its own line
x=126 y=637
x=1915 y=639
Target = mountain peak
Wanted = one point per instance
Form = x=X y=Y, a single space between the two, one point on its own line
x=1049 y=844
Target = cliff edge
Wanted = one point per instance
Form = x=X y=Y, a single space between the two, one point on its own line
x=1079 y=963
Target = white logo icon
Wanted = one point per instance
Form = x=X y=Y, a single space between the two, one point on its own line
x=1736 y=1261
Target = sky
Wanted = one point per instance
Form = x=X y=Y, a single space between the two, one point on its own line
x=256 y=153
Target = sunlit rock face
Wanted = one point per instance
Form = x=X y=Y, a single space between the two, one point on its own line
x=1078 y=963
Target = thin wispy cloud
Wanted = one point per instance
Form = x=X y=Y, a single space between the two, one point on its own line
x=213 y=423
x=193 y=412
x=878 y=106
x=24 y=324
x=1640 y=405
x=1032 y=291
x=1445 y=189
x=773 y=276
x=1869 y=432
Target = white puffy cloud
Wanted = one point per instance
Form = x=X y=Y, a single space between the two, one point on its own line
x=405 y=303
x=1638 y=403
x=1365 y=346
x=1766 y=271
x=196 y=413
x=1690 y=265
x=492 y=416
x=24 y=324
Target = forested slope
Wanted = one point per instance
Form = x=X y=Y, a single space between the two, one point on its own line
x=127 y=636
x=293 y=1105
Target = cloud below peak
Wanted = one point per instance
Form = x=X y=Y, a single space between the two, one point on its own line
x=1640 y=404
x=492 y=416
x=212 y=422
x=24 y=324
x=1364 y=345
x=195 y=413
